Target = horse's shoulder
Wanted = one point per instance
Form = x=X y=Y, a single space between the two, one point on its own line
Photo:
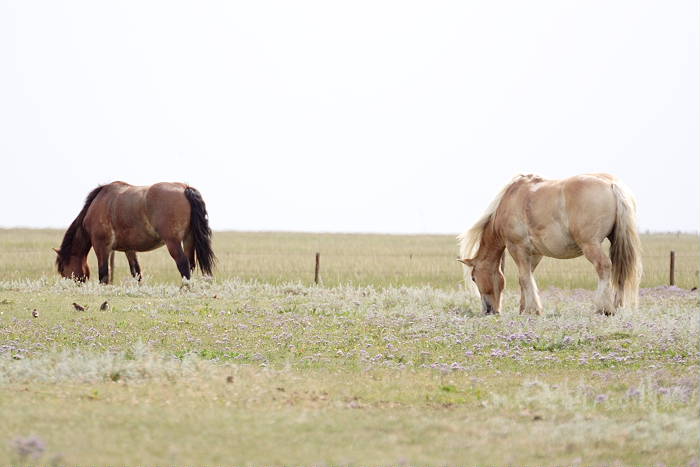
x=110 y=189
x=533 y=178
x=522 y=184
x=117 y=184
x=525 y=180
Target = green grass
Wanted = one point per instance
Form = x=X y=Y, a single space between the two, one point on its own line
x=378 y=260
x=250 y=373
x=282 y=418
x=396 y=365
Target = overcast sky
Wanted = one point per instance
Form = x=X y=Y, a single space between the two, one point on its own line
x=351 y=116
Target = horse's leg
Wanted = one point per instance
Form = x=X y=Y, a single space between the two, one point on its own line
x=534 y=261
x=134 y=266
x=102 y=251
x=188 y=244
x=178 y=254
x=618 y=297
x=603 y=299
x=529 y=295
x=111 y=267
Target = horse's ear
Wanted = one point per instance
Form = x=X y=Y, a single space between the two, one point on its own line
x=58 y=252
x=466 y=262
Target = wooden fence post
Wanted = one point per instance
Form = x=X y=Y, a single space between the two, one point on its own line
x=672 y=269
x=318 y=268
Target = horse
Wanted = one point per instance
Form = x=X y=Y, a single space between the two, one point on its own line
x=533 y=217
x=123 y=217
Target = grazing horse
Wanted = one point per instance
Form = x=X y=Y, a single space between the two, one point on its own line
x=128 y=218
x=533 y=217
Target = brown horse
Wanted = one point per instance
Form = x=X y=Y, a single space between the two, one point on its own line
x=533 y=217
x=128 y=218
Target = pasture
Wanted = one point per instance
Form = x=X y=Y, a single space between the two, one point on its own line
x=388 y=362
x=377 y=260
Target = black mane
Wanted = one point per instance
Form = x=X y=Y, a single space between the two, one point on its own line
x=66 y=248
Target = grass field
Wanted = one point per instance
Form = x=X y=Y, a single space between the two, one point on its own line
x=378 y=260
x=396 y=365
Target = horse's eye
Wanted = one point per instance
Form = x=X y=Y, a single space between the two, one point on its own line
x=473 y=280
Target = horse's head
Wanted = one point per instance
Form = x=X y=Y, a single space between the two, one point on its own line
x=72 y=266
x=489 y=279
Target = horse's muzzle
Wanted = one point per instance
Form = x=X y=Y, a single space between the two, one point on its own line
x=487 y=307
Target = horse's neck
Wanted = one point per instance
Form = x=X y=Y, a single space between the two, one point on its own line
x=492 y=244
x=81 y=243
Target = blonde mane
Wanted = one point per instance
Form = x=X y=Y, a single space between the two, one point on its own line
x=470 y=241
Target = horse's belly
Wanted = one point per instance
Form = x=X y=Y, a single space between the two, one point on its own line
x=137 y=243
x=556 y=243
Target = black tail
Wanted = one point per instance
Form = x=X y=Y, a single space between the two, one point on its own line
x=201 y=233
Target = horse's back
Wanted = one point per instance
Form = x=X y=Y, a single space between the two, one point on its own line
x=138 y=218
x=556 y=216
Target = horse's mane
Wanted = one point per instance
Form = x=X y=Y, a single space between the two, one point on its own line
x=67 y=244
x=470 y=241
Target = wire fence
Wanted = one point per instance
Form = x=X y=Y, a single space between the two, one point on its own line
x=669 y=268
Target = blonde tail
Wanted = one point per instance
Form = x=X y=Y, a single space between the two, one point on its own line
x=625 y=249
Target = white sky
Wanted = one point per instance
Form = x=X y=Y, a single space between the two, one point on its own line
x=371 y=116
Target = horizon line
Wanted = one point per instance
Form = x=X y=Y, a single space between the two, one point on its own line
x=350 y=232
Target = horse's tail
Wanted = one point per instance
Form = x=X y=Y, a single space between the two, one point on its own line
x=201 y=233
x=625 y=248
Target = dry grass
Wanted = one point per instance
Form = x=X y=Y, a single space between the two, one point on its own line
x=258 y=368
x=378 y=260
x=283 y=417
x=255 y=374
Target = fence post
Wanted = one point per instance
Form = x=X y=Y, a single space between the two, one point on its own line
x=672 y=269
x=318 y=268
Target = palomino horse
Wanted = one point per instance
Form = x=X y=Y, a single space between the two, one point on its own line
x=533 y=217
x=128 y=218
